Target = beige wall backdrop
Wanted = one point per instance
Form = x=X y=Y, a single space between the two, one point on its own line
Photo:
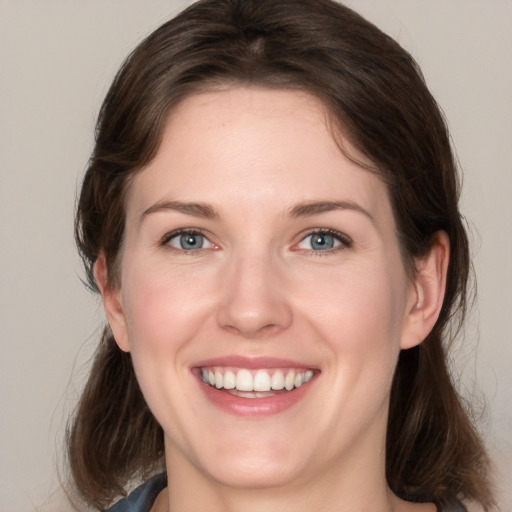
x=57 y=58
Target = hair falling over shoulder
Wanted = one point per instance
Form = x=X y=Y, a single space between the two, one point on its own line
x=114 y=437
x=377 y=97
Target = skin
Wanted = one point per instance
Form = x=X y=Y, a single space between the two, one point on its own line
x=258 y=288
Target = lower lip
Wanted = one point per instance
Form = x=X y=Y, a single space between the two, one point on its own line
x=240 y=406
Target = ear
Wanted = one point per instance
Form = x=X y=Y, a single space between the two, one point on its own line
x=111 y=296
x=427 y=292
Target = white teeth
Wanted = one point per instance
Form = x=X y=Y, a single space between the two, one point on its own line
x=289 y=381
x=229 y=380
x=244 y=380
x=262 y=381
x=277 y=381
x=255 y=386
x=219 y=379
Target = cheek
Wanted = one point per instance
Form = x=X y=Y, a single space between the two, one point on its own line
x=355 y=318
x=164 y=311
x=359 y=313
x=163 y=308
x=357 y=300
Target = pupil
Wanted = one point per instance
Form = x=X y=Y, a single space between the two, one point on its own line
x=322 y=242
x=189 y=241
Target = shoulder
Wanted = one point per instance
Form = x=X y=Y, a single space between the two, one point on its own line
x=143 y=497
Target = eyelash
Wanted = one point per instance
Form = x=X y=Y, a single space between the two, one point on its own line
x=164 y=241
x=345 y=242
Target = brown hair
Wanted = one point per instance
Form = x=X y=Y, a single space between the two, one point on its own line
x=376 y=94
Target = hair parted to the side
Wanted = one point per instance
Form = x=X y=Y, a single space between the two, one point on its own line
x=377 y=98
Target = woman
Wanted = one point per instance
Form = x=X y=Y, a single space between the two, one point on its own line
x=270 y=215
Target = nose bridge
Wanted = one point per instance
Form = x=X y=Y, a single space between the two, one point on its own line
x=253 y=297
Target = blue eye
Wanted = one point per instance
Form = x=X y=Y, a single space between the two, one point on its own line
x=323 y=241
x=189 y=241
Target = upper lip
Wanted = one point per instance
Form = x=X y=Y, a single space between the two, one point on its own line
x=256 y=362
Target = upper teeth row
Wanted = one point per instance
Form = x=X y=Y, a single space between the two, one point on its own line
x=243 y=380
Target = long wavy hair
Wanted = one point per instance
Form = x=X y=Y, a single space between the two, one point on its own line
x=377 y=97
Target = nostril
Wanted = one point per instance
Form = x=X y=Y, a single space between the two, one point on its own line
x=255 y=321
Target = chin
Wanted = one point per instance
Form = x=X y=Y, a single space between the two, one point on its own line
x=255 y=474
x=236 y=464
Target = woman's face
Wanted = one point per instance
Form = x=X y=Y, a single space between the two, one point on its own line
x=257 y=255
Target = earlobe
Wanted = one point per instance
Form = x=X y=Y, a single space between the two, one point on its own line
x=428 y=292
x=111 y=303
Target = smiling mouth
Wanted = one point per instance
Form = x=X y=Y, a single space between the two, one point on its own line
x=260 y=383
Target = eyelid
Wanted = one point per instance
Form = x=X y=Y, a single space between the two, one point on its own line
x=164 y=241
x=344 y=240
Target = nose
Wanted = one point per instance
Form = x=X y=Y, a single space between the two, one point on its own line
x=253 y=299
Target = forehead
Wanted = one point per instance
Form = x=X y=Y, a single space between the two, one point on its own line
x=253 y=144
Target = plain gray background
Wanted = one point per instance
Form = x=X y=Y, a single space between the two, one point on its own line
x=57 y=58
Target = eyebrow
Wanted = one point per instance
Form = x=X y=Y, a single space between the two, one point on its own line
x=317 y=207
x=194 y=209
x=300 y=210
